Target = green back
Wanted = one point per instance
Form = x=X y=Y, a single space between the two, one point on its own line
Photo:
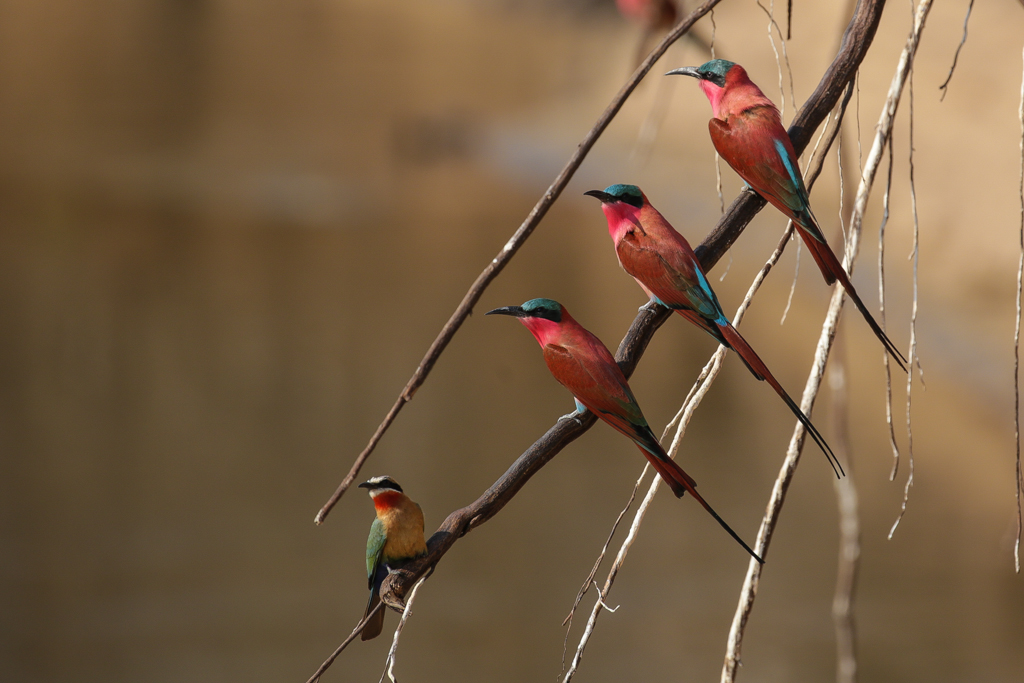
x=374 y=549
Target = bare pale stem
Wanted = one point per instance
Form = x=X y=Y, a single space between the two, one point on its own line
x=750 y=583
x=1016 y=339
x=389 y=663
x=956 y=55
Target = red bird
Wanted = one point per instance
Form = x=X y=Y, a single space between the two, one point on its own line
x=584 y=366
x=747 y=131
x=662 y=263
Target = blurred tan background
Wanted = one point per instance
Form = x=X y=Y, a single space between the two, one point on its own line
x=230 y=229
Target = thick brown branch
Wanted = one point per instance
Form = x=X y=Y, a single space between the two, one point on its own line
x=499 y=262
x=856 y=41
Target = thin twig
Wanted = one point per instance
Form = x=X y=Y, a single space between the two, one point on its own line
x=640 y=155
x=956 y=55
x=694 y=399
x=636 y=487
x=713 y=28
x=785 y=55
x=912 y=353
x=849 y=524
x=389 y=663
x=881 y=316
x=842 y=187
x=860 y=150
x=845 y=488
x=718 y=159
x=750 y=584
x=499 y=262
x=352 y=636
x=1016 y=336
x=567 y=622
x=796 y=274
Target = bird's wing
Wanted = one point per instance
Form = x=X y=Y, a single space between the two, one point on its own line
x=758 y=148
x=590 y=372
x=668 y=268
x=374 y=550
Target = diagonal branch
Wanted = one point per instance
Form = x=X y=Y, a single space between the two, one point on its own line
x=517 y=240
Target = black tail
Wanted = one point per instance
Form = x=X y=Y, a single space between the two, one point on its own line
x=376 y=623
x=680 y=482
x=737 y=343
x=889 y=346
x=815 y=434
x=832 y=270
x=725 y=526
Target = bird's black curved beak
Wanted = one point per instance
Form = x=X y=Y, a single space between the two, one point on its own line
x=366 y=485
x=686 y=71
x=602 y=195
x=514 y=311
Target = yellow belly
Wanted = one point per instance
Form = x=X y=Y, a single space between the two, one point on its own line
x=403 y=527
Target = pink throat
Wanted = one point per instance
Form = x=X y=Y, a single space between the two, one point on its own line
x=714 y=95
x=544 y=330
x=620 y=216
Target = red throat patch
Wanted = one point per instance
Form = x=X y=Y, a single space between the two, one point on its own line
x=385 y=500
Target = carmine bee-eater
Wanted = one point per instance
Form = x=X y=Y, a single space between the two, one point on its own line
x=662 y=263
x=747 y=131
x=396 y=537
x=584 y=366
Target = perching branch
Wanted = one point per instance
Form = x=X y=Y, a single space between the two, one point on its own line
x=856 y=42
x=517 y=240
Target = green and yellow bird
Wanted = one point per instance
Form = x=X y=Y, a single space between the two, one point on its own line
x=396 y=537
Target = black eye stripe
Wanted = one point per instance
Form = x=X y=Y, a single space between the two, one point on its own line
x=633 y=200
x=554 y=315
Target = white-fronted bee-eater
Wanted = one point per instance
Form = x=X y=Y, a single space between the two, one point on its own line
x=396 y=537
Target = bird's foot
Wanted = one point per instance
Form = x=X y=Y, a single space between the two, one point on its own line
x=650 y=306
x=574 y=416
